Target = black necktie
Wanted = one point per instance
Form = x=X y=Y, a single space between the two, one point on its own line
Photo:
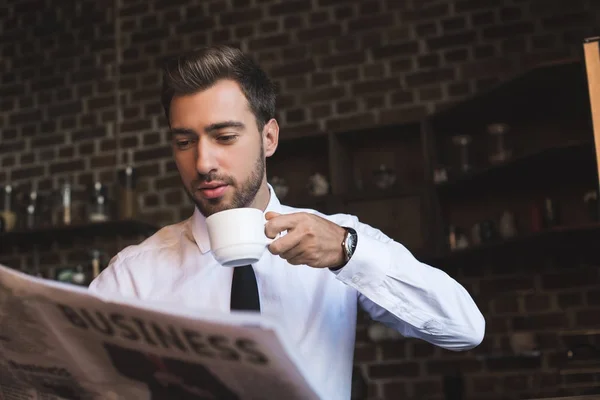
x=244 y=290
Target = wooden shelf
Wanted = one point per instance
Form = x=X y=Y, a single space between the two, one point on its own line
x=558 y=160
x=108 y=228
x=578 y=332
x=562 y=235
x=574 y=397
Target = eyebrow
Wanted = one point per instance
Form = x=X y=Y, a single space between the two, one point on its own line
x=222 y=125
x=182 y=131
x=217 y=126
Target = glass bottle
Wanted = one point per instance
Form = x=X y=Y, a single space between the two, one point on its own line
x=8 y=214
x=127 y=190
x=66 y=207
x=96 y=267
x=32 y=208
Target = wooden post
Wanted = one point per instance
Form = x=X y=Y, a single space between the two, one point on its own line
x=592 y=63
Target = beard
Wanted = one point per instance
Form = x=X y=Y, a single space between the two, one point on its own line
x=243 y=194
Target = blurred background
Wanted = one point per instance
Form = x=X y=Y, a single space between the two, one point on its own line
x=461 y=128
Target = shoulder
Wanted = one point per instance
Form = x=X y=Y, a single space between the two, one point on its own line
x=132 y=266
x=165 y=239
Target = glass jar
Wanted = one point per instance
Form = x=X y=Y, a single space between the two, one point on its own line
x=98 y=207
x=384 y=177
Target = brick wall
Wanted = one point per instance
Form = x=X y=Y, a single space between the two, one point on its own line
x=79 y=88
x=555 y=298
x=79 y=84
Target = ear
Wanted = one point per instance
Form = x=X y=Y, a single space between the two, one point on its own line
x=270 y=137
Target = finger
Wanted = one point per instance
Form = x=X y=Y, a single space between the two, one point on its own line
x=293 y=253
x=271 y=215
x=283 y=222
x=270 y=232
x=285 y=243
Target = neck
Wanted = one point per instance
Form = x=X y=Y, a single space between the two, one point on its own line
x=262 y=197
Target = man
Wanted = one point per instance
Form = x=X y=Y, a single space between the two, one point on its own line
x=220 y=106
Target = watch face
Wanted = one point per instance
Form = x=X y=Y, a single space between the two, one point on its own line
x=352 y=239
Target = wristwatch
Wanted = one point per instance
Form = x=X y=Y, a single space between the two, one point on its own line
x=348 y=246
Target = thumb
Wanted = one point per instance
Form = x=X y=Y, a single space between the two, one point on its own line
x=271 y=215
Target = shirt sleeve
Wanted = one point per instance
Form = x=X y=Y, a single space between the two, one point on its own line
x=409 y=296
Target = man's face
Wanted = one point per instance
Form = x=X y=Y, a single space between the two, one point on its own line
x=217 y=147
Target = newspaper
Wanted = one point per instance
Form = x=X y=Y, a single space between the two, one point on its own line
x=60 y=341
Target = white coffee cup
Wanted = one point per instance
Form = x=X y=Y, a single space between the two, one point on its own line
x=237 y=236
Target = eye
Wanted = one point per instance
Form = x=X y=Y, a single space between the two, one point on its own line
x=183 y=144
x=226 y=138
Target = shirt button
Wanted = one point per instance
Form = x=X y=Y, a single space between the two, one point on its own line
x=356 y=279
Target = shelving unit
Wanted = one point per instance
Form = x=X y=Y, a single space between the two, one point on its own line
x=553 y=157
x=585 y=234
x=68 y=232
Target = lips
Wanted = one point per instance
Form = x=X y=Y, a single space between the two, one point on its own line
x=212 y=190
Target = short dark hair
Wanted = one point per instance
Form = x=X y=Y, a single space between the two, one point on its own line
x=199 y=69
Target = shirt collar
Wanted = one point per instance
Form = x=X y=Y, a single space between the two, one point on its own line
x=198 y=221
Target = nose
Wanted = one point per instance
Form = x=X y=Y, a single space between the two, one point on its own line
x=206 y=161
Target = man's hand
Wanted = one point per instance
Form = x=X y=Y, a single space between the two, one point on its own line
x=310 y=239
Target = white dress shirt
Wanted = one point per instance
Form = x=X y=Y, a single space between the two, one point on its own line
x=316 y=307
